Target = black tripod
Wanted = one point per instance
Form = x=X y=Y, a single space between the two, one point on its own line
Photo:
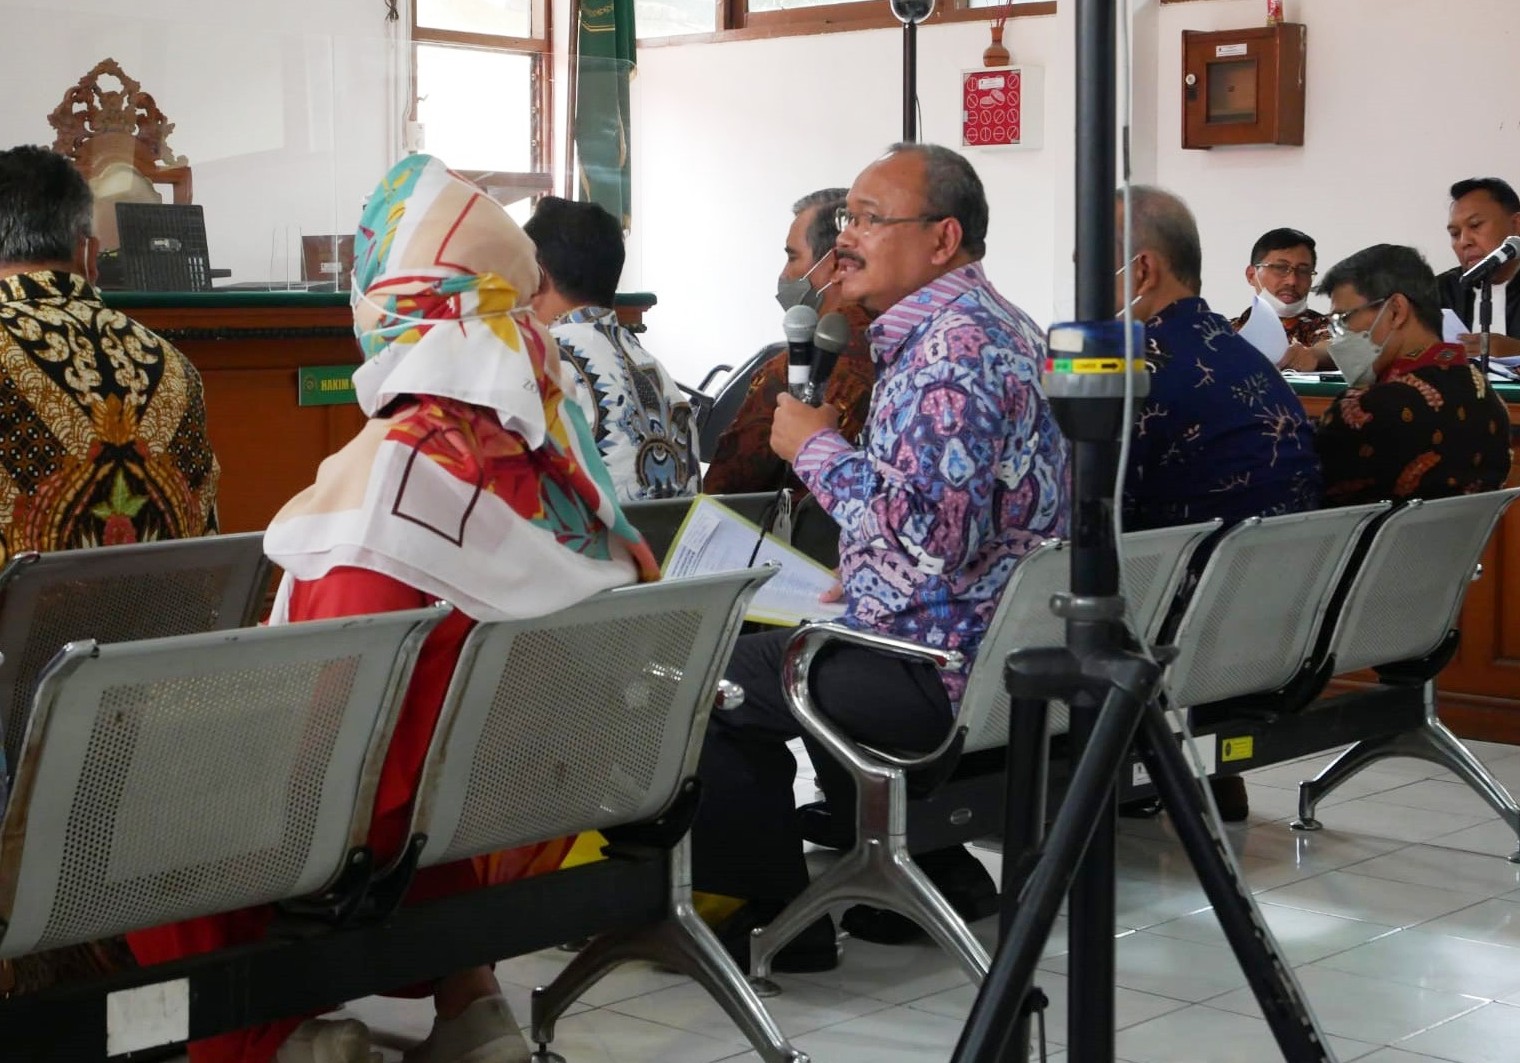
x=1112 y=690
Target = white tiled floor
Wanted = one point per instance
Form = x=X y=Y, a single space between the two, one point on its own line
x=1402 y=918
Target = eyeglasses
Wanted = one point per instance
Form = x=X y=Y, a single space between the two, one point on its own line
x=1338 y=321
x=844 y=219
x=1281 y=270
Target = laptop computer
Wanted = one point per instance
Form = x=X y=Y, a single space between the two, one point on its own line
x=163 y=247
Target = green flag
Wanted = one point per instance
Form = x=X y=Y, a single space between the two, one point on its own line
x=601 y=122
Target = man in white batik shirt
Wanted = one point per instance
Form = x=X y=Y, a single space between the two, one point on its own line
x=642 y=423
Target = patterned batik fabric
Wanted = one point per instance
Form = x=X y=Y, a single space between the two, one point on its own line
x=478 y=482
x=742 y=456
x=641 y=420
x=1221 y=434
x=963 y=470
x=104 y=424
x=1428 y=428
x=1308 y=328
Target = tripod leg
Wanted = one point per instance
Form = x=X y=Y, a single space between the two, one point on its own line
x=1282 y=1001
x=999 y=1005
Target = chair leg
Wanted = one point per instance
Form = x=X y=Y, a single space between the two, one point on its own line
x=682 y=941
x=1447 y=749
x=1432 y=741
x=881 y=872
x=1343 y=767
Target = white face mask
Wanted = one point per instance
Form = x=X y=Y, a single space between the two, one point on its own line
x=1130 y=309
x=1281 y=308
x=1355 y=355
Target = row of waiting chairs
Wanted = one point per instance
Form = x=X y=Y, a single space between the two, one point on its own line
x=1279 y=607
x=111 y=724
x=167 y=778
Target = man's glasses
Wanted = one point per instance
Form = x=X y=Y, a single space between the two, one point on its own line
x=1338 y=321
x=844 y=219
x=1281 y=270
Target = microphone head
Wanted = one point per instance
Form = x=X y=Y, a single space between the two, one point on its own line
x=912 y=10
x=833 y=332
x=798 y=324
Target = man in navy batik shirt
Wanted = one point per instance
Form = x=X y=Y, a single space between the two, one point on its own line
x=1221 y=434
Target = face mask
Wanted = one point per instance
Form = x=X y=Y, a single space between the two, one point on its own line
x=1281 y=308
x=1133 y=302
x=1355 y=355
x=799 y=292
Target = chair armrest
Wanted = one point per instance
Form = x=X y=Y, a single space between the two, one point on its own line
x=796 y=669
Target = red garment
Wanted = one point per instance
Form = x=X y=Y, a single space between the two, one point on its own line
x=1437 y=354
x=350 y=592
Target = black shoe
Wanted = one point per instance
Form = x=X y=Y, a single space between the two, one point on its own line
x=957 y=874
x=815 y=949
x=818 y=824
x=1230 y=796
x=1140 y=808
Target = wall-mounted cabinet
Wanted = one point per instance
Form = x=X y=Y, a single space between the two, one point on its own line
x=1243 y=86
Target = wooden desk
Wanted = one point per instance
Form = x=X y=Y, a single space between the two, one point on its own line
x=249 y=348
x=1479 y=692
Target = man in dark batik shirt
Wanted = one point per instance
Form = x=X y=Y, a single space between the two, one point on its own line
x=742 y=458
x=105 y=422
x=1417 y=419
x=1221 y=433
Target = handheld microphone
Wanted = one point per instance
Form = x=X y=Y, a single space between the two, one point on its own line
x=798 y=325
x=829 y=339
x=1494 y=261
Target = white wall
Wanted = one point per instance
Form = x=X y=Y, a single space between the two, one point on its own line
x=281 y=107
x=286 y=111
x=731 y=134
x=1404 y=96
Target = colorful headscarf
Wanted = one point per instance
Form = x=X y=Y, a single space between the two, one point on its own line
x=486 y=488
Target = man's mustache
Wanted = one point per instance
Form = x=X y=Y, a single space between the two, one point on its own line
x=848 y=256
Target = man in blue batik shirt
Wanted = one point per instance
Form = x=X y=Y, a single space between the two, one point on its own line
x=1221 y=434
x=963 y=471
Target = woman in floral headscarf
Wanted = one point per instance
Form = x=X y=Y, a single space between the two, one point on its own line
x=476 y=481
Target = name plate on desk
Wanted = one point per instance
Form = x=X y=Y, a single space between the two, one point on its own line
x=325 y=385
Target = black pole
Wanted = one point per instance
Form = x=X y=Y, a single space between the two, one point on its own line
x=910 y=82
x=1485 y=322
x=1094 y=558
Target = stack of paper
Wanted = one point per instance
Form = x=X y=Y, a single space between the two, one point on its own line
x=714 y=539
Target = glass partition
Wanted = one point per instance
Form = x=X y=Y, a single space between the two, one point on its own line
x=221 y=156
x=233 y=157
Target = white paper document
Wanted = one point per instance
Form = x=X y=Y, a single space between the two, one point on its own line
x=1263 y=330
x=716 y=539
x=1452 y=326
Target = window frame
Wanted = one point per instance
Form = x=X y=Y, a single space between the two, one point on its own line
x=738 y=24
x=539 y=45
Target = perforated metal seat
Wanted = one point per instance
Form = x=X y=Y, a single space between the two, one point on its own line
x=879 y=869
x=170 y=778
x=1250 y=623
x=1403 y=605
x=117 y=594
x=589 y=719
